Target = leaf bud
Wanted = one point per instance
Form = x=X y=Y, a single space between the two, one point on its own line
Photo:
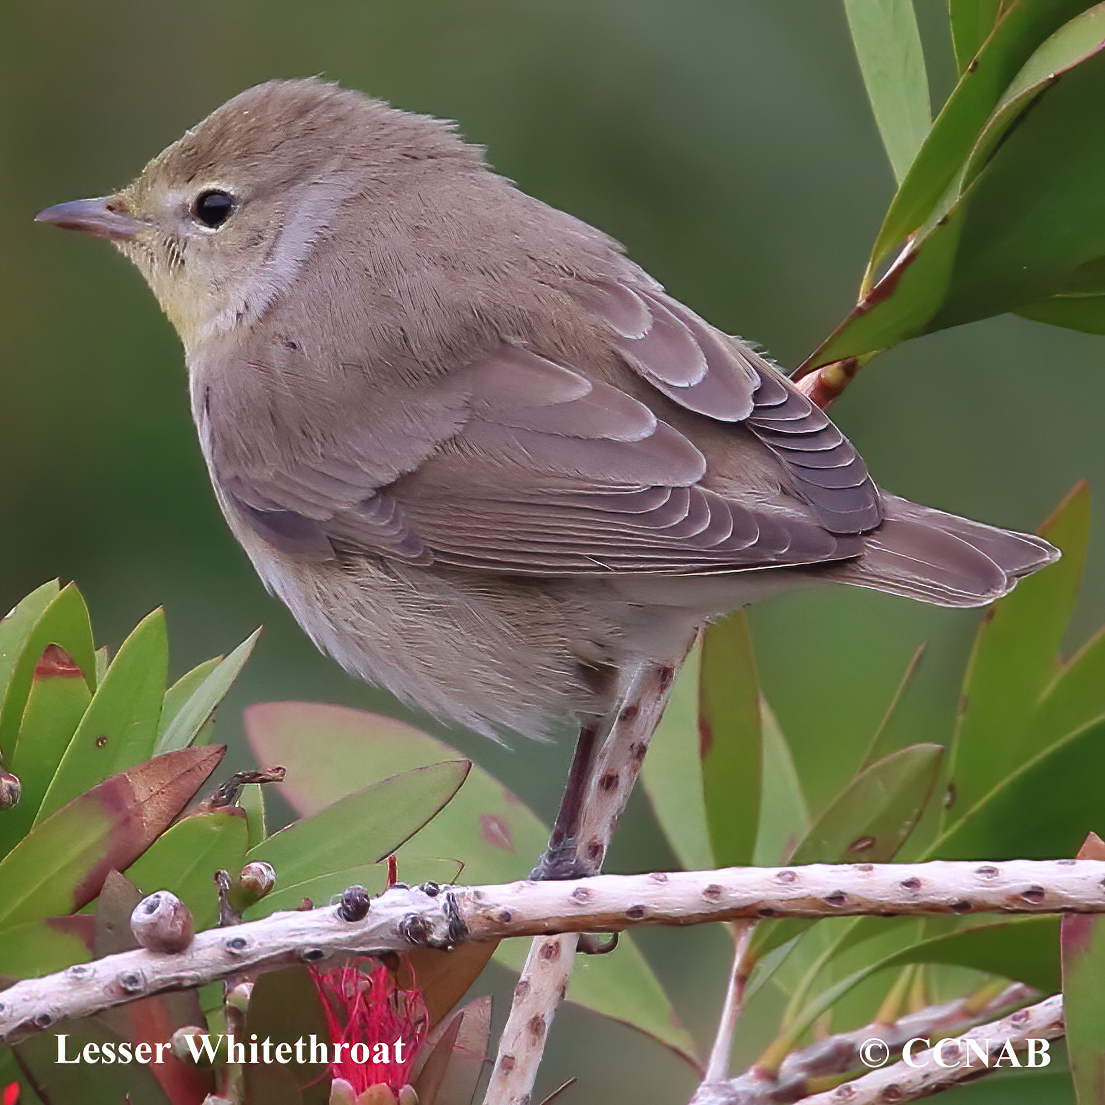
x=11 y=790
x=161 y=922
x=237 y=997
x=256 y=880
x=179 y=1041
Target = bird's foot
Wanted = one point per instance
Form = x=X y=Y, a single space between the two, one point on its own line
x=560 y=863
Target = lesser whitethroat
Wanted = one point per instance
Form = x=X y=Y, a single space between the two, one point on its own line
x=483 y=457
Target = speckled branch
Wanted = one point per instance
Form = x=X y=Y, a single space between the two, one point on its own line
x=548 y=968
x=401 y=919
x=840 y=1054
x=951 y=1061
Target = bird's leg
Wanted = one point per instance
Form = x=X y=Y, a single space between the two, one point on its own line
x=602 y=775
x=559 y=860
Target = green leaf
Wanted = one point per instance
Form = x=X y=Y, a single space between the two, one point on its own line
x=65 y=623
x=1075 y=697
x=252 y=800
x=58 y=700
x=186 y=856
x=1041 y=811
x=60 y=866
x=905 y=300
x=784 y=818
x=120 y=727
x=372 y=876
x=880 y=744
x=732 y=741
x=194 y=714
x=1076 y=312
x=878 y=810
x=42 y=947
x=285 y=1007
x=672 y=772
x=957 y=127
x=888 y=46
x=972 y=22
x=1070 y=46
x=16 y=627
x=1033 y=217
x=1082 y=946
x=868 y=822
x=1014 y=660
x=485 y=826
x=362 y=827
x=182 y=690
x=1024 y=949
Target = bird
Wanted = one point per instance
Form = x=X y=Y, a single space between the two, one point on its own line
x=486 y=460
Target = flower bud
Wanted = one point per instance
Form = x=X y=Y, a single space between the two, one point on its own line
x=256 y=880
x=161 y=922
x=11 y=790
x=179 y=1042
x=237 y=997
x=341 y=1093
x=407 y=1096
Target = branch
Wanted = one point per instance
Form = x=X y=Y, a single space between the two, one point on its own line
x=949 y=1062
x=402 y=919
x=548 y=968
x=840 y=1054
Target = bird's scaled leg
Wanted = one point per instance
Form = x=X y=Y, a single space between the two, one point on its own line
x=559 y=860
x=600 y=781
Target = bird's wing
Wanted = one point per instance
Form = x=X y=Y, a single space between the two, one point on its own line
x=516 y=463
x=720 y=377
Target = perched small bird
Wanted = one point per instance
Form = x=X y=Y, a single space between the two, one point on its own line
x=483 y=457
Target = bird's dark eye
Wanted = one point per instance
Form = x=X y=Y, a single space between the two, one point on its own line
x=213 y=208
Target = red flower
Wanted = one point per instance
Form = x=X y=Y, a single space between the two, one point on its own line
x=383 y=1026
x=11 y=1093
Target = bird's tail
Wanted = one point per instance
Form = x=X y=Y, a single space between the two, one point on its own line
x=925 y=554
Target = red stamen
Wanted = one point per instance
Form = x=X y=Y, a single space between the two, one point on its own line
x=368 y=1008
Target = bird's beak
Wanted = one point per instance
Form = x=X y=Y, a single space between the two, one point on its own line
x=106 y=217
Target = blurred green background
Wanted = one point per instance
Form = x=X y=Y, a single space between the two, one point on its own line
x=727 y=143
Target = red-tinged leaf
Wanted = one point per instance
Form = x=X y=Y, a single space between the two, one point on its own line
x=41 y=947
x=1082 y=947
x=74 y=1081
x=154 y=1019
x=119 y=729
x=430 y=1078
x=61 y=865
x=64 y=622
x=16 y=627
x=469 y=1054
x=58 y=700
x=445 y=977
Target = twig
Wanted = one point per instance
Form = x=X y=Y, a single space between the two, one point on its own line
x=548 y=968
x=404 y=918
x=717 y=1068
x=840 y=1053
x=950 y=1061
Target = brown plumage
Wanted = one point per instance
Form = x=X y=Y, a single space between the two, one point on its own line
x=484 y=458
